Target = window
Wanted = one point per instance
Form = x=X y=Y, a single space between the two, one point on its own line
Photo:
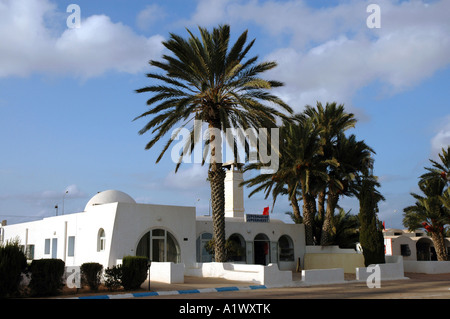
x=236 y=248
x=286 y=248
x=54 y=247
x=71 y=246
x=30 y=252
x=159 y=245
x=404 y=250
x=101 y=240
x=47 y=246
x=202 y=253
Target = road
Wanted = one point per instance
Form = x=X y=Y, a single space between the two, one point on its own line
x=418 y=286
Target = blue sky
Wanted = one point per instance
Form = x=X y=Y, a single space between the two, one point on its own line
x=67 y=96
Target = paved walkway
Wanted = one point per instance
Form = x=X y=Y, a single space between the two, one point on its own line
x=191 y=285
x=195 y=287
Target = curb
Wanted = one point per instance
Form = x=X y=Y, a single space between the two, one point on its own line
x=172 y=292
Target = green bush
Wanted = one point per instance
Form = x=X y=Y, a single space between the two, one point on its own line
x=12 y=263
x=91 y=273
x=46 y=277
x=113 y=277
x=134 y=271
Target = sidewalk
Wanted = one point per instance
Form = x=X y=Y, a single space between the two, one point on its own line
x=208 y=286
x=190 y=285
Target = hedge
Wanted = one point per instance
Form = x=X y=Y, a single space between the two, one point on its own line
x=134 y=271
x=12 y=264
x=46 y=276
x=91 y=273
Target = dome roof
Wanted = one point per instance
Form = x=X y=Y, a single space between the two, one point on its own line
x=109 y=196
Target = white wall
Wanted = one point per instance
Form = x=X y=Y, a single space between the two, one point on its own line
x=124 y=225
x=83 y=226
x=249 y=230
x=134 y=220
x=391 y=270
x=427 y=267
x=258 y=274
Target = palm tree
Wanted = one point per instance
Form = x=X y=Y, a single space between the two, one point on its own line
x=345 y=229
x=299 y=168
x=331 y=121
x=441 y=170
x=353 y=157
x=430 y=212
x=207 y=80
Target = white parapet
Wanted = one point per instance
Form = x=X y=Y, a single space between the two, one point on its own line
x=427 y=267
x=323 y=276
x=391 y=270
x=167 y=272
x=265 y=275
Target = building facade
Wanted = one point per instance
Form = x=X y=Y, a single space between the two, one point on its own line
x=412 y=245
x=113 y=225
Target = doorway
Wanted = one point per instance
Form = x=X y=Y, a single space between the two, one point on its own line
x=261 y=248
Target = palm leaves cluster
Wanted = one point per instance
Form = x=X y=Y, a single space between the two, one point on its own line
x=318 y=164
x=431 y=209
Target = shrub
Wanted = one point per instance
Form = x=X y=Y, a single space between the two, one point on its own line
x=12 y=263
x=91 y=273
x=134 y=271
x=113 y=277
x=46 y=276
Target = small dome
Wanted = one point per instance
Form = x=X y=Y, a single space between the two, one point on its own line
x=109 y=196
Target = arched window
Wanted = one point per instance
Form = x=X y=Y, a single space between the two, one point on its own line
x=159 y=245
x=236 y=248
x=285 y=248
x=203 y=255
x=101 y=240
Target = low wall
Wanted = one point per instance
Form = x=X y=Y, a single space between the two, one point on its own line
x=427 y=267
x=391 y=270
x=258 y=274
x=323 y=276
x=167 y=272
x=330 y=257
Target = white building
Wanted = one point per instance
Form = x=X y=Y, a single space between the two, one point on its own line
x=113 y=225
x=412 y=245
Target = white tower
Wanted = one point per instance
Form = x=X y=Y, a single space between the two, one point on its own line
x=234 y=193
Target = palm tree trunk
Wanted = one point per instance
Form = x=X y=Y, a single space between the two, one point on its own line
x=309 y=210
x=295 y=208
x=216 y=176
x=321 y=204
x=294 y=203
x=439 y=245
x=327 y=227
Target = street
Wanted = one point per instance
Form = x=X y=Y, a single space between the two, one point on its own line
x=418 y=286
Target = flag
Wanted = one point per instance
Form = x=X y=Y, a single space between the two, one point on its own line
x=266 y=210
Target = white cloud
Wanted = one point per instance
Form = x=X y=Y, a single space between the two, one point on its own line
x=149 y=15
x=331 y=53
x=442 y=137
x=210 y=12
x=194 y=176
x=30 y=45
